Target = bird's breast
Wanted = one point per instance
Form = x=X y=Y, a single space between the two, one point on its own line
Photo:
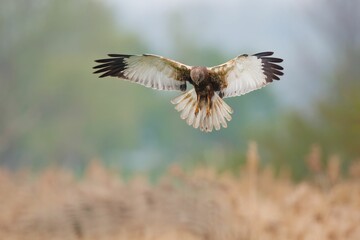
x=204 y=89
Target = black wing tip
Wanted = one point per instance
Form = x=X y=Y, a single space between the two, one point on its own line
x=263 y=54
x=112 y=66
x=101 y=76
x=112 y=57
x=104 y=75
x=274 y=60
x=266 y=55
x=115 y=55
x=107 y=73
x=271 y=69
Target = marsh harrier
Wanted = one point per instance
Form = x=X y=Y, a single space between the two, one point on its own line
x=203 y=106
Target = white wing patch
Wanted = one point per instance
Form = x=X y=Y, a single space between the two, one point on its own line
x=246 y=76
x=245 y=73
x=151 y=71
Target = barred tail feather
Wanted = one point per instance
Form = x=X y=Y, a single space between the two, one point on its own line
x=219 y=114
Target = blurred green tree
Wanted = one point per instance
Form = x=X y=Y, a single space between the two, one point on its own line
x=47 y=100
x=335 y=125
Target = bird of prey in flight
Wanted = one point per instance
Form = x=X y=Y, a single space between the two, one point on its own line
x=203 y=106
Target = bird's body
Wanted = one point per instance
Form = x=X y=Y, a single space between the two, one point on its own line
x=204 y=86
x=203 y=106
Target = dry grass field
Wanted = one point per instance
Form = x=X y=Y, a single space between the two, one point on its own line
x=201 y=204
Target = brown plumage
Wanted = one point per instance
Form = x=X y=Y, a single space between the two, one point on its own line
x=202 y=107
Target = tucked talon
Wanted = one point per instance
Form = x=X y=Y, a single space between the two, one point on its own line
x=208 y=106
x=221 y=94
x=197 y=109
x=208 y=112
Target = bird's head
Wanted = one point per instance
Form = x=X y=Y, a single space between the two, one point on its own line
x=198 y=74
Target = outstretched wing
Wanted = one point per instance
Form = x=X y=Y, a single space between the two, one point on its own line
x=246 y=73
x=149 y=70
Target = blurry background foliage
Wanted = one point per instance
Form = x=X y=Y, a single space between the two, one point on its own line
x=53 y=110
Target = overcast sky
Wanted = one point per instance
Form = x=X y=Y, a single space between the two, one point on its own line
x=235 y=27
